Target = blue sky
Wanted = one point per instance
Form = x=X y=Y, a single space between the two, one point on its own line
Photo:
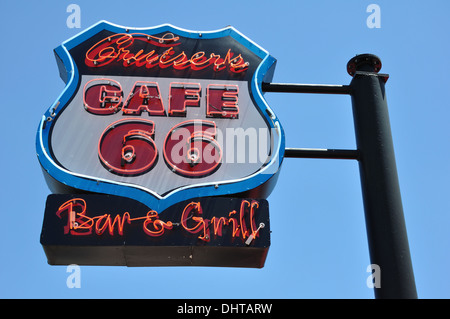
x=319 y=244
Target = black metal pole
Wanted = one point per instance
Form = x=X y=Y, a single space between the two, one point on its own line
x=386 y=230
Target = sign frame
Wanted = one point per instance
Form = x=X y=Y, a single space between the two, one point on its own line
x=61 y=180
x=108 y=230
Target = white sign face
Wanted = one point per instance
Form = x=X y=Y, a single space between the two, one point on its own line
x=242 y=143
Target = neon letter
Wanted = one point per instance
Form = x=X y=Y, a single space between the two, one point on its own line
x=102 y=96
x=222 y=101
x=182 y=95
x=145 y=96
x=75 y=218
x=202 y=224
x=158 y=225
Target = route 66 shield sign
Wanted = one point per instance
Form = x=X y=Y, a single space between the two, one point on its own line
x=161 y=115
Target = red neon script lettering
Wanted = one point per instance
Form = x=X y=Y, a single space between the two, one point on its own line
x=114 y=47
x=193 y=211
x=189 y=212
x=158 y=226
x=118 y=47
x=76 y=210
x=192 y=221
x=80 y=224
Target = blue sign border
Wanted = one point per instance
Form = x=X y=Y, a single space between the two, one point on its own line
x=266 y=177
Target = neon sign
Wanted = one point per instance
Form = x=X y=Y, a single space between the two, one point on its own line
x=191 y=221
x=219 y=225
x=78 y=224
x=149 y=110
x=117 y=48
x=157 y=116
x=103 y=96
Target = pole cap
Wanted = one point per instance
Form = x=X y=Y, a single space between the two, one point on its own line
x=364 y=62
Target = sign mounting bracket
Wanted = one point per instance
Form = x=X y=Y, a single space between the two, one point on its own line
x=385 y=224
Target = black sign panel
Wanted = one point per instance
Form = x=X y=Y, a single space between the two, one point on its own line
x=160 y=55
x=113 y=230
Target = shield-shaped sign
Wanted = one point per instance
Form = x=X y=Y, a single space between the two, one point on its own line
x=161 y=115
